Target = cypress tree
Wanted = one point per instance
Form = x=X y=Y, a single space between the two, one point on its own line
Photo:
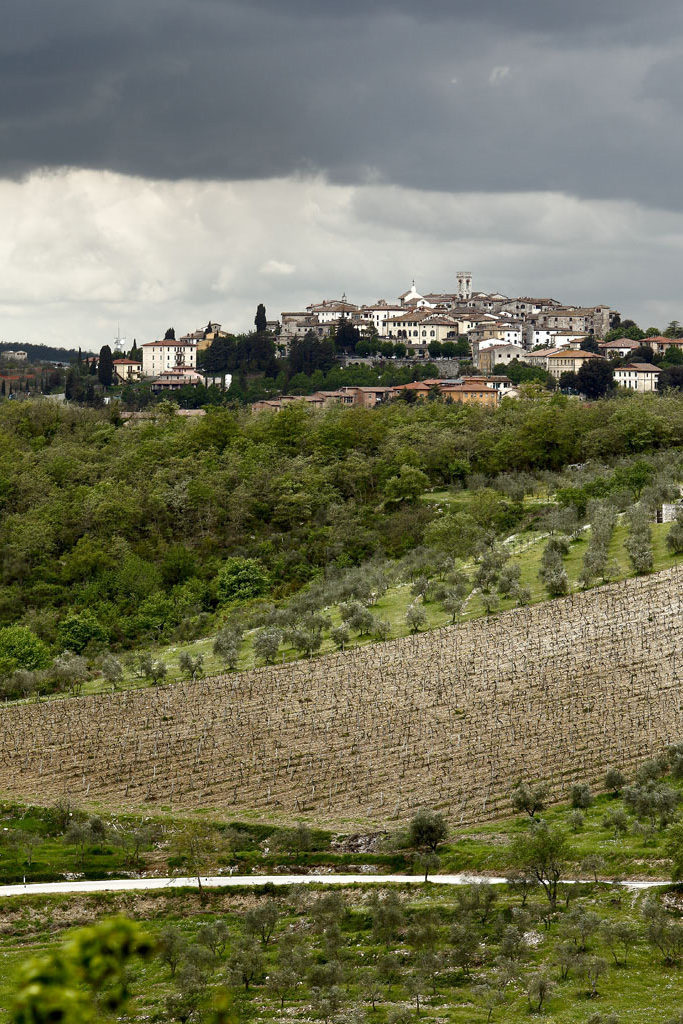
x=105 y=368
x=260 y=318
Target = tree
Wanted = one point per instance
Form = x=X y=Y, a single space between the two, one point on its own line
x=592 y=969
x=671 y=377
x=387 y=917
x=406 y=487
x=340 y=636
x=643 y=354
x=21 y=648
x=530 y=799
x=215 y=937
x=416 y=617
x=88 y=970
x=346 y=336
x=226 y=646
x=490 y=996
x=191 y=666
x=105 y=367
x=619 y=935
x=427 y=830
x=266 y=644
x=539 y=988
x=262 y=920
x=614 y=781
x=543 y=851
x=580 y=796
x=172 y=947
x=239 y=579
x=193 y=850
x=673 y=330
x=578 y=925
x=652 y=800
x=674 y=849
x=70 y=671
x=78 y=630
x=170 y=334
x=662 y=931
x=674 y=539
x=553 y=573
x=595 y=378
x=282 y=981
x=246 y=962
x=112 y=670
x=155 y=671
x=260 y=321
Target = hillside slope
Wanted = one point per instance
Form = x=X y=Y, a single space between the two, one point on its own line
x=451 y=718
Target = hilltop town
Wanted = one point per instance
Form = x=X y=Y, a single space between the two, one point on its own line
x=464 y=346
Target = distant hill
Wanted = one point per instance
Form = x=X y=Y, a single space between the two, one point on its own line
x=44 y=353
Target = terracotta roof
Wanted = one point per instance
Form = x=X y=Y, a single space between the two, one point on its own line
x=639 y=367
x=479 y=388
x=573 y=353
x=127 y=362
x=625 y=343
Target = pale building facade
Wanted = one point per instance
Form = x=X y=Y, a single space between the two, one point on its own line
x=159 y=356
x=568 y=361
x=637 y=376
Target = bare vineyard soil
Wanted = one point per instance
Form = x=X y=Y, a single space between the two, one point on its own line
x=452 y=718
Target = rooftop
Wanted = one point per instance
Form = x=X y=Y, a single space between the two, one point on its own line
x=640 y=368
x=573 y=353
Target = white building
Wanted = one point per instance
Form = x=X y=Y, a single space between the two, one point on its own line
x=422 y=326
x=637 y=376
x=161 y=356
x=496 y=353
x=379 y=313
x=510 y=334
x=535 y=337
x=330 y=310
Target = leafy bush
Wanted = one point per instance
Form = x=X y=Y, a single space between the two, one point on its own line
x=20 y=648
x=240 y=579
x=78 y=630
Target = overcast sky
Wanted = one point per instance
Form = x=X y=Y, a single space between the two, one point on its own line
x=171 y=161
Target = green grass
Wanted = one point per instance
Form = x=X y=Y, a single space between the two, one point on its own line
x=644 y=991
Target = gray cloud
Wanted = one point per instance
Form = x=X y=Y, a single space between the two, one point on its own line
x=83 y=250
x=501 y=95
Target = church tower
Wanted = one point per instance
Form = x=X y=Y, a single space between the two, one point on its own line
x=464 y=285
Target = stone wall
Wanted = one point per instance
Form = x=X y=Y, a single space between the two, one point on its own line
x=451 y=718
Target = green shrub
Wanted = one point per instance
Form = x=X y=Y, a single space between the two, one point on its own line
x=78 y=630
x=241 y=578
x=20 y=648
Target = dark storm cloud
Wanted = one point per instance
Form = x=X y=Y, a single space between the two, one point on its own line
x=498 y=95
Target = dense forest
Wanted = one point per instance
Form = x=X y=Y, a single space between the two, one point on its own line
x=117 y=532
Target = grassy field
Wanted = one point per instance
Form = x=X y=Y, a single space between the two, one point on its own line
x=345 y=961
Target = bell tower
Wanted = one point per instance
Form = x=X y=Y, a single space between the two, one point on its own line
x=464 y=285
